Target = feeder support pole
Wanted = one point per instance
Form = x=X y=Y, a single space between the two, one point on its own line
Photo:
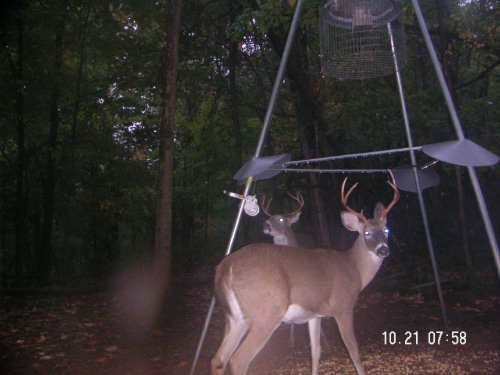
x=460 y=134
x=258 y=153
x=279 y=79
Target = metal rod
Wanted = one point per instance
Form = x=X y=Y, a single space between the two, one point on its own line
x=258 y=152
x=203 y=334
x=348 y=156
x=413 y=158
x=318 y=170
x=279 y=78
x=430 y=164
x=439 y=72
x=460 y=134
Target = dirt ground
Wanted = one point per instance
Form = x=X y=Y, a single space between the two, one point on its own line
x=78 y=334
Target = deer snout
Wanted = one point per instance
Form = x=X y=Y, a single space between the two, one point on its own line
x=266 y=227
x=382 y=251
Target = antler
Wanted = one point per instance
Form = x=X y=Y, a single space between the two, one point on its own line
x=395 y=197
x=299 y=199
x=344 y=197
x=297 y=196
x=265 y=205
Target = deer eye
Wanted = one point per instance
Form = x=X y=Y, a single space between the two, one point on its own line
x=368 y=233
x=281 y=220
x=387 y=231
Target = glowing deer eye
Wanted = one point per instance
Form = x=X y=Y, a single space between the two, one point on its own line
x=368 y=233
x=281 y=220
x=387 y=231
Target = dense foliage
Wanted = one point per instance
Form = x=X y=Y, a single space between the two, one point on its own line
x=79 y=114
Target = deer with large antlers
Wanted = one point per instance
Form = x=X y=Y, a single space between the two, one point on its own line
x=262 y=285
x=279 y=226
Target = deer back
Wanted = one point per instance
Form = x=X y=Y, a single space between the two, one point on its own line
x=318 y=280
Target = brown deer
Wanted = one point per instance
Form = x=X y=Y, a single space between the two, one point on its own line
x=279 y=226
x=262 y=285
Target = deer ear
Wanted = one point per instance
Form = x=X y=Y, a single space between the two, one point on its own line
x=351 y=221
x=379 y=209
x=295 y=217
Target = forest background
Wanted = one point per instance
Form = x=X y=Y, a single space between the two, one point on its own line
x=82 y=90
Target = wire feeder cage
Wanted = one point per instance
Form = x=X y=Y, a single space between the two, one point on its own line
x=355 y=38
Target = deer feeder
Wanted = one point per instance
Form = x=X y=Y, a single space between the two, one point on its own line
x=358 y=37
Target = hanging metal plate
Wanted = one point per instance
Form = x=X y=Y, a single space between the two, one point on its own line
x=405 y=178
x=257 y=167
x=462 y=152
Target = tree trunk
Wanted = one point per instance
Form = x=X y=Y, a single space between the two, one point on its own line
x=163 y=235
x=79 y=76
x=44 y=256
x=309 y=120
x=17 y=71
x=234 y=102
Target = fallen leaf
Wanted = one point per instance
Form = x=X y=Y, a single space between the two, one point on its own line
x=111 y=349
x=41 y=339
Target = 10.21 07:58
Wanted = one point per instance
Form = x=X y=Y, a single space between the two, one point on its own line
x=432 y=338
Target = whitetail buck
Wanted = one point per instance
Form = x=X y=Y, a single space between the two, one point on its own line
x=279 y=226
x=263 y=285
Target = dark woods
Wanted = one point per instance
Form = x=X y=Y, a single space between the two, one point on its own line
x=81 y=98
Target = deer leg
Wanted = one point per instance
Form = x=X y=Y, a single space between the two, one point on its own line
x=324 y=341
x=314 y=326
x=291 y=336
x=258 y=335
x=346 y=328
x=233 y=334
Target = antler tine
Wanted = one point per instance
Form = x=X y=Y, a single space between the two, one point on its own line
x=395 y=198
x=344 y=197
x=265 y=204
x=299 y=199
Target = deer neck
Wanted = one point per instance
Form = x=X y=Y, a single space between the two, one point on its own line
x=365 y=261
x=287 y=238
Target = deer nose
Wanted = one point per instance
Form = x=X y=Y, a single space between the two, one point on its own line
x=266 y=227
x=382 y=251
